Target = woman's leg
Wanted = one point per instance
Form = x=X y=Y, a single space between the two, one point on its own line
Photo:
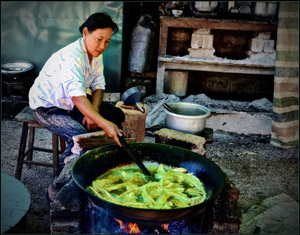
x=60 y=122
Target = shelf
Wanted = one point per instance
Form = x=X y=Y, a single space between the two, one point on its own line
x=209 y=65
x=217 y=64
x=187 y=22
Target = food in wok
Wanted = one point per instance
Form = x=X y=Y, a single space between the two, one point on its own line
x=169 y=188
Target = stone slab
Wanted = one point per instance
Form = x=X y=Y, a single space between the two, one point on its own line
x=201 y=53
x=240 y=123
x=275 y=215
x=177 y=138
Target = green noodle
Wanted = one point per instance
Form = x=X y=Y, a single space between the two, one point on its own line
x=171 y=188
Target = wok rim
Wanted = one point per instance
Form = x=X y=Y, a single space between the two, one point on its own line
x=148 y=210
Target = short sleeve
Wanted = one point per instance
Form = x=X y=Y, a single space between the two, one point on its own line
x=98 y=75
x=73 y=79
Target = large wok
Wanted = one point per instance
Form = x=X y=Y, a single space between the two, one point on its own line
x=96 y=162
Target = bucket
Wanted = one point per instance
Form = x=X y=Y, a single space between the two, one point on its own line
x=178 y=81
x=179 y=40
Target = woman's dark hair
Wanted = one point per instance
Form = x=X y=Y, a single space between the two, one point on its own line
x=99 y=21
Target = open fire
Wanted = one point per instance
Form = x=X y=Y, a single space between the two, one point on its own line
x=135 y=228
x=98 y=220
x=128 y=227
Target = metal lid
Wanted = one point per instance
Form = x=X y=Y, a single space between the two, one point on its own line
x=16 y=67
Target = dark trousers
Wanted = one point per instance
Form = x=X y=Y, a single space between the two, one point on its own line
x=69 y=123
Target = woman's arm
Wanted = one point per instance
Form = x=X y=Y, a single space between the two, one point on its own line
x=97 y=98
x=88 y=110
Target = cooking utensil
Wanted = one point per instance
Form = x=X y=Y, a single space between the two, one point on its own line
x=132 y=97
x=187 y=117
x=167 y=107
x=132 y=155
x=16 y=68
x=98 y=161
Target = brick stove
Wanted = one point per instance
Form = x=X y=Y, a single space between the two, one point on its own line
x=72 y=212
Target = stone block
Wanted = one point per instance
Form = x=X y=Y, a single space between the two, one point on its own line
x=135 y=121
x=269 y=46
x=90 y=140
x=177 y=138
x=263 y=35
x=201 y=31
x=196 y=41
x=202 y=41
x=66 y=174
x=262 y=55
x=67 y=202
x=202 y=53
x=207 y=41
x=256 y=44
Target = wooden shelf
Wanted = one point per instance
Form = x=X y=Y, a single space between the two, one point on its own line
x=245 y=66
x=186 y=22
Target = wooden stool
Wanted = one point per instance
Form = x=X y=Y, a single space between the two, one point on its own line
x=29 y=123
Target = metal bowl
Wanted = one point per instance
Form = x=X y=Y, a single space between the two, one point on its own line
x=16 y=67
x=187 y=117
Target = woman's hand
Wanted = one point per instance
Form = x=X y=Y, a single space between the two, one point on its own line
x=87 y=109
x=112 y=131
x=90 y=124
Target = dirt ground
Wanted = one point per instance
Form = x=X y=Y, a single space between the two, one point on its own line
x=259 y=170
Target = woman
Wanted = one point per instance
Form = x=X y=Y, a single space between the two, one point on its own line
x=59 y=97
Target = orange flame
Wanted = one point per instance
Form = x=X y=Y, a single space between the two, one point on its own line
x=129 y=227
x=165 y=227
x=120 y=222
x=134 y=228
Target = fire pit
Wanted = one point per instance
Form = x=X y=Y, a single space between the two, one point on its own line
x=74 y=212
x=99 y=221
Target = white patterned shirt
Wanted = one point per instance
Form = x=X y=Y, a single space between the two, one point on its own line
x=66 y=73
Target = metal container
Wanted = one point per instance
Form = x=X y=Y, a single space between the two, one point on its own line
x=17 y=77
x=187 y=117
x=178 y=82
x=98 y=161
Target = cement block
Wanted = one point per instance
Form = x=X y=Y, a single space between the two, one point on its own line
x=202 y=53
x=67 y=202
x=262 y=55
x=201 y=31
x=135 y=121
x=202 y=41
x=207 y=41
x=196 y=41
x=177 y=138
x=269 y=46
x=263 y=35
x=256 y=45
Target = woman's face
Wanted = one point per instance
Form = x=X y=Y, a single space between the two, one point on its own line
x=97 y=41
